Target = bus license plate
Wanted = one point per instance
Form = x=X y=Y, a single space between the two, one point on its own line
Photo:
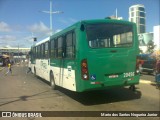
x=129 y=74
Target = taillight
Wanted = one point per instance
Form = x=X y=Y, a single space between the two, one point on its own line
x=84 y=70
x=138 y=63
x=141 y=62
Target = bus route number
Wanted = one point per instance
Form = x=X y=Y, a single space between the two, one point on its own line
x=129 y=74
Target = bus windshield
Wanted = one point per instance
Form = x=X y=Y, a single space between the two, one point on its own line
x=109 y=35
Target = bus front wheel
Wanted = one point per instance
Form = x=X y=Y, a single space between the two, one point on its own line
x=132 y=87
x=52 y=81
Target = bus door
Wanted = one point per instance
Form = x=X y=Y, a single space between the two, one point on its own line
x=67 y=61
x=60 y=60
x=61 y=71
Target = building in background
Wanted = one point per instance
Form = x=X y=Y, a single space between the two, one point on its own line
x=149 y=42
x=144 y=40
x=156 y=31
x=137 y=14
x=153 y=37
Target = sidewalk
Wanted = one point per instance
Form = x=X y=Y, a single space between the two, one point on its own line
x=1 y=68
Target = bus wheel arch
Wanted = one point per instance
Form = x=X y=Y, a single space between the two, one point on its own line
x=52 y=81
x=132 y=87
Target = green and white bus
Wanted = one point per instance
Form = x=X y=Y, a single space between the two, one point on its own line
x=89 y=55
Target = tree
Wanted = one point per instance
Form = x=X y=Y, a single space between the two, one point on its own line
x=150 y=47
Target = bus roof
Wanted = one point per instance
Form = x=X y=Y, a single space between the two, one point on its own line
x=105 y=21
x=78 y=24
x=90 y=22
x=42 y=41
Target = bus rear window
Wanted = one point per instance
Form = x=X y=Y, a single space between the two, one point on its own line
x=109 y=35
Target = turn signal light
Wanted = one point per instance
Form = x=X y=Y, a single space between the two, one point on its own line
x=84 y=70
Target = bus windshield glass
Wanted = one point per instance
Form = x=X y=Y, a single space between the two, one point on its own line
x=109 y=35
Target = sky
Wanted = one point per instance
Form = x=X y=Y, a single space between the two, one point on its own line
x=21 y=20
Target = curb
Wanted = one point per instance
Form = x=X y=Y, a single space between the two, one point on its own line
x=146 y=81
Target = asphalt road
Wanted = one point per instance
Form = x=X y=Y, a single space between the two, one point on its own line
x=24 y=92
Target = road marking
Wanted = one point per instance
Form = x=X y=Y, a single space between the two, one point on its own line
x=146 y=82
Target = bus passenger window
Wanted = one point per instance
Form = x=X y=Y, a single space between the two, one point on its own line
x=60 y=47
x=70 y=45
x=109 y=35
x=42 y=50
x=38 y=51
x=46 y=53
x=52 y=49
x=56 y=48
x=74 y=44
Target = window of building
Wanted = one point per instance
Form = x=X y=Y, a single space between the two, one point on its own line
x=142 y=14
x=132 y=9
x=142 y=21
x=141 y=9
x=142 y=29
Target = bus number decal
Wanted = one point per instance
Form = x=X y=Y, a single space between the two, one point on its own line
x=129 y=74
x=69 y=70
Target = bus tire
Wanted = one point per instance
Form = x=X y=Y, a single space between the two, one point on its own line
x=132 y=87
x=52 y=81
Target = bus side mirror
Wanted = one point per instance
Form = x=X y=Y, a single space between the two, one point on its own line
x=82 y=28
x=34 y=39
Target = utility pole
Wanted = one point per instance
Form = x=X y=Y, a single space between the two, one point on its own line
x=116 y=14
x=18 y=55
x=51 y=12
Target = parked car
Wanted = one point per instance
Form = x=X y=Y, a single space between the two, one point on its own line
x=147 y=63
